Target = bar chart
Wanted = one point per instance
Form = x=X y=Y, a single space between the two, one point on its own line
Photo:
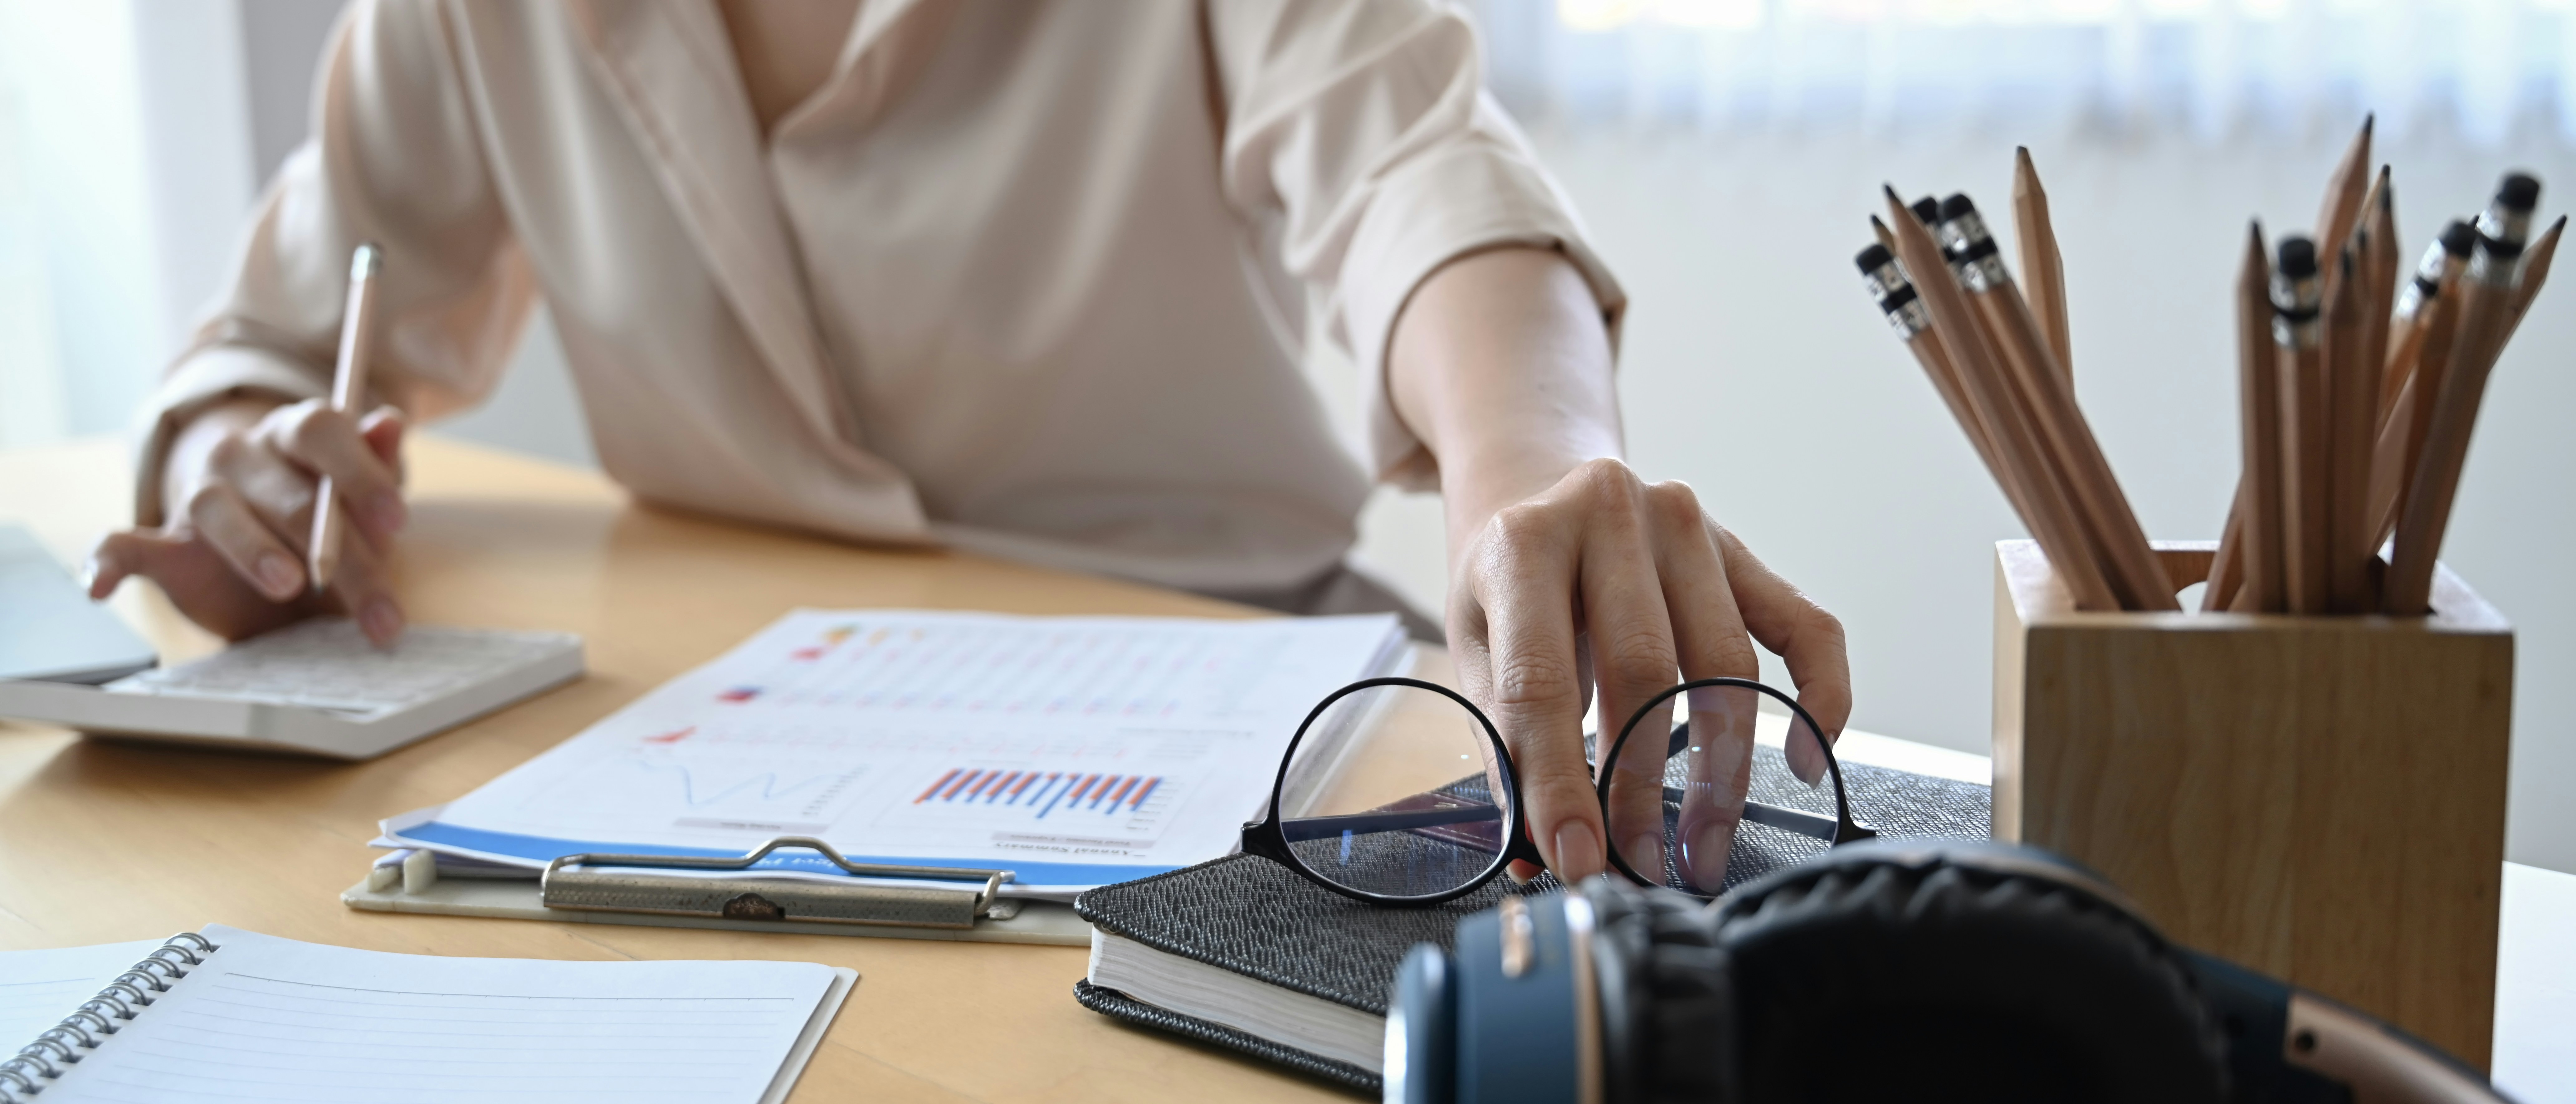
x=1044 y=793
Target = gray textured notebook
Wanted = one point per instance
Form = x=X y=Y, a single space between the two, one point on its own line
x=1263 y=962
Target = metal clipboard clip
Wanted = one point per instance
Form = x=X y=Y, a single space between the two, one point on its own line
x=774 y=898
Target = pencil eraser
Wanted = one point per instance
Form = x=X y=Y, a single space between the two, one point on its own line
x=1926 y=209
x=1873 y=258
x=2518 y=191
x=1958 y=204
x=2459 y=237
x=2297 y=259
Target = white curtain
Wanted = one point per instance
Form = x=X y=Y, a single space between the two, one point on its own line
x=2487 y=72
x=124 y=173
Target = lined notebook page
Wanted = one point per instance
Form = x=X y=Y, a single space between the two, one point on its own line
x=39 y=988
x=277 y=1020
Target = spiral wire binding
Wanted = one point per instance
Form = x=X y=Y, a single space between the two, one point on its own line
x=63 y=1045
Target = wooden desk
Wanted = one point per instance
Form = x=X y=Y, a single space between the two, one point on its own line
x=104 y=841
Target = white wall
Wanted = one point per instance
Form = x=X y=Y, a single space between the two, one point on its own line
x=125 y=167
x=79 y=125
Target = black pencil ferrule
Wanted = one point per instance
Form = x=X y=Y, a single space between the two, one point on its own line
x=2297 y=303
x=1896 y=295
x=2499 y=223
x=2495 y=261
x=1908 y=317
x=1960 y=234
x=1885 y=281
x=2437 y=265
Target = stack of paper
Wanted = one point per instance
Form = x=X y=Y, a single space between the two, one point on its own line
x=1073 y=752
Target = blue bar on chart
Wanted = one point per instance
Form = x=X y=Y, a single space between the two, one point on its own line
x=1042 y=792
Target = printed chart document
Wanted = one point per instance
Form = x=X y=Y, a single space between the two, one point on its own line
x=263 y=1018
x=1073 y=752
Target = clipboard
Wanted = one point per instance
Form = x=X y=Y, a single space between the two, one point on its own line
x=621 y=889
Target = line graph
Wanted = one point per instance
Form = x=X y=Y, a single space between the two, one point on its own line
x=801 y=791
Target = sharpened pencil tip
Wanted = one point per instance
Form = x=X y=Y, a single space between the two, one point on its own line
x=1874 y=224
x=1890 y=189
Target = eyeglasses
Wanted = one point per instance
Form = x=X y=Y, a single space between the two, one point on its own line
x=1398 y=791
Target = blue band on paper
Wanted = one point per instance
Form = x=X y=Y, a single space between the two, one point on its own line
x=545 y=849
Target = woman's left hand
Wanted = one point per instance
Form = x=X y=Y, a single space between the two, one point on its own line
x=1604 y=580
x=1567 y=570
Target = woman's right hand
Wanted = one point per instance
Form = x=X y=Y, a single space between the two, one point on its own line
x=238 y=489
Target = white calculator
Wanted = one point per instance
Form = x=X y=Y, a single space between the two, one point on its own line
x=318 y=687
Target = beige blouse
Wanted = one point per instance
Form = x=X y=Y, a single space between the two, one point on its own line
x=1025 y=277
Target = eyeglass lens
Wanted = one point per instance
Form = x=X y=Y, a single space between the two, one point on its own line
x=1677 y=800
x=1413 y=802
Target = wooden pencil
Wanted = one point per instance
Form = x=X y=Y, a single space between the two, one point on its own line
x=2345 y=188
x=2401 y=433
x=1886 y=238
x=2225 y=586
x=2298 y=342
x=2438 y=270
x=2043 y=269
x=2351 y=399
x=1906 y=313
x=2486 y=299
x=2128 y=560
x=2052 y=518
x=2259 y=395
x=2380 y=261
x=2535 y=272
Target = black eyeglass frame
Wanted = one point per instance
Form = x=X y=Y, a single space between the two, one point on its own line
x=1268 y=837
x=1841 y=829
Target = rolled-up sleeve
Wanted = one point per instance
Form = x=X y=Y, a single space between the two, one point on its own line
x=395 y=160
x=1362 y=130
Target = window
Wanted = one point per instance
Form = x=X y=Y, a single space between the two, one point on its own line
x=2489 y=71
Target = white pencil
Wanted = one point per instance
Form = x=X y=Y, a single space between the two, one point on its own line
x=348 y=389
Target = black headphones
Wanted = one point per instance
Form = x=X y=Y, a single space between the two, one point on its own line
x=1907 y=970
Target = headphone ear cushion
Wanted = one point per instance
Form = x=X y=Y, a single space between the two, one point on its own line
x=1940 y=981
x=1667 y=1003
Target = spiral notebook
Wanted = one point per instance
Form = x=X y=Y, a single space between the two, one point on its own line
x=226 y=1015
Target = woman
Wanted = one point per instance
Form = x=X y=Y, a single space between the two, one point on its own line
x=1024 y=278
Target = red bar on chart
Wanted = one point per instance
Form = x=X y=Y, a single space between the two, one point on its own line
x=934 y=787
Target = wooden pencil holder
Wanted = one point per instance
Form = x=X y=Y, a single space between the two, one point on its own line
x=2320 y=798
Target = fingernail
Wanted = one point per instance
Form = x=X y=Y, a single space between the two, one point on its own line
x=278 y=575
x=1810 y=771
x=1704 y=854
x=1645 y=855
x=89 y=573
x=1578 y=852
x=390 y=512
x=381 y=621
